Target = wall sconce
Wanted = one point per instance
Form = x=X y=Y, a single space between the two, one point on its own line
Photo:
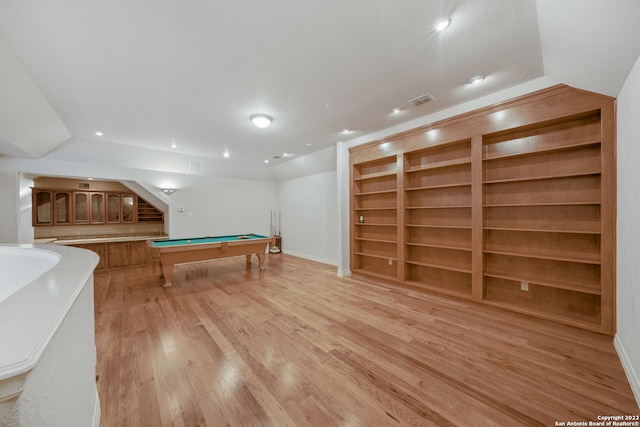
x=168 y=190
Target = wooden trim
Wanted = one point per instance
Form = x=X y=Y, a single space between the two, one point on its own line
x=477 y=286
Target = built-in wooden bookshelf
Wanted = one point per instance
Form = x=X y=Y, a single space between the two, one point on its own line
x=375 y=218
x=437 y=185
x=542 y=204
x=512 y=206
x=147 y=213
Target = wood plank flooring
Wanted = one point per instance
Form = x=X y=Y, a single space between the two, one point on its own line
x=295 y=345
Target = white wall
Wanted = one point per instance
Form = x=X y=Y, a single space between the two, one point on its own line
x=8 y=205
x=309 y=217
x=628 y=228
x=222 y=206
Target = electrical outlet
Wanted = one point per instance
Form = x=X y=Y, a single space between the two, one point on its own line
x=390 y=261
x=524 y=286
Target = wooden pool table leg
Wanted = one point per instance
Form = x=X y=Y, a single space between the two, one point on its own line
x=248 y=260
x=261 y=261
x=166 y=272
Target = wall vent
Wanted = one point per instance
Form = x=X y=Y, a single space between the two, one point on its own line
x=422 y=99
x=83 y=186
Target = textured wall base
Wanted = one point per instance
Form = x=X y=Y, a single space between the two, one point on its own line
x=632 y=375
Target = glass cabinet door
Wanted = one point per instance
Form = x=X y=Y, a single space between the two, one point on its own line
x=81 y=208
x=97 y=208
x=43 y=208
x=128 y=208
x=113 y=208
x=62 y=207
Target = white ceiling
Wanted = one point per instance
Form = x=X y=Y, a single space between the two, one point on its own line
x=148 y=73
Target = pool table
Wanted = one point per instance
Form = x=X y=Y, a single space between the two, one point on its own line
x=168 y=252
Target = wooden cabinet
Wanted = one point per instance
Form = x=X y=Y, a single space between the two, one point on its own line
x=42 y=207
x=81 y=208
x=129 y=208
x=97 y=208
x=114 y=209
x=121 y=208
x=62 y=207
x=119 y=254
x=511 y=206
x=67 y=207
x=51 y=207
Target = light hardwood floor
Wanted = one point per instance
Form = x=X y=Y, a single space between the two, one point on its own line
x=295 y=345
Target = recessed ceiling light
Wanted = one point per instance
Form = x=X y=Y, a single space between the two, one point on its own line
x=442 y=24
x=346 y=131
x=173 y=145
x=226 y=153
x=98 y=133
x=287 y=154
x=266 y=161
x=261 y=120
x=476 y=79
x=309 y=144
x=396 y=110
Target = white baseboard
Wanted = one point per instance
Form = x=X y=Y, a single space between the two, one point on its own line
x=344 y=273
x=632 y=376
x=311 y=257
x=96 y=411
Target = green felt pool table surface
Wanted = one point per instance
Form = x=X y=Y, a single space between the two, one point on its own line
x=207 y=239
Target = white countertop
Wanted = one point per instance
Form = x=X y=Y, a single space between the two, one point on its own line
x=30 y=317
x=89 y=240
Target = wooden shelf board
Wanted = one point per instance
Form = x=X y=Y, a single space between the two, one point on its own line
x=376 y=224
x=543 y=230
x=376 y=209
x=432 y=187
x=440 y=246
x=440 y=288
x=563 y=257
x=520 y=205
x=460 y=227
x=573 y=319
x=375 y=240
x=592 y=290
x=440 y=266
x=542 y=178
x=369 y=193
x=374 y=274
x=440 y=165
x=376 y=175
x=569 y=147
x=394 y=258
x=439 y=207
